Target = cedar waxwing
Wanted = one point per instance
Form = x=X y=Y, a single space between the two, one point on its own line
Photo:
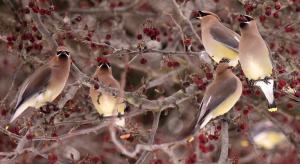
x=220 y=96
x=106 y=104
x=255 y=59
x=267 y=136
x=45 y=84
x=219 y=41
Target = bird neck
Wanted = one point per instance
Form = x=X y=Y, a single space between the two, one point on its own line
x=222 y=74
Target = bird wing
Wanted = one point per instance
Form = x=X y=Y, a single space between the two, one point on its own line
x=36 y=83
x=225 y=36
x=215 y=95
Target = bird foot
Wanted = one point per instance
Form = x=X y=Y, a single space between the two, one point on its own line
x=250 y=82
x=266 y=80
x=100 y=116
x=224 y=60
x=120 y=115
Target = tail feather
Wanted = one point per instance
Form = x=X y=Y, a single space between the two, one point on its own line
x=18 y=111
x=120 y=122
x=268 y=90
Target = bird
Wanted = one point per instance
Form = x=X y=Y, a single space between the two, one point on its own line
x=45 y=84
x=255 y=59
x=219 y=41
x=267 y=136
x=105 y=103
x=220 y=96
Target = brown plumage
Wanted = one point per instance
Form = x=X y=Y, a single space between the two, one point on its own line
x=45 y=84
x=219 y=41
x=255 y=59
x=220 y=96
x=106 y=104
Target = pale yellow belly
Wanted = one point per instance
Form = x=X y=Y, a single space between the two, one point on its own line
x=108 y=105
x=256 y=70
x=218 y=51
x=227 y=104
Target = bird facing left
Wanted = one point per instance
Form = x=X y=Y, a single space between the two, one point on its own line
x=45 y=84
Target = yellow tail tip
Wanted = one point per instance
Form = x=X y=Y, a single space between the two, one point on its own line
x=272 y=109
x=6 y=127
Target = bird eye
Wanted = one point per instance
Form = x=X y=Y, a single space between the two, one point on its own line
x=248 y=18
x=68 y=53
x=58 y=52
x=202 y=14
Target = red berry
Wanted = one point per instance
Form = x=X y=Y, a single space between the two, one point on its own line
x=257 y=93
x=139 y=37
x=143 y=61
x=297 y=94
x=108 y=36
x=268 y=11
x=29 y=136
x=31 y=4
x=248 y=7
x=262 y=18
x=26 y=10
x=78 y=18
x=245 y=112
x=289 y=105
x=187 y=42
x=209 y=76
x=243 y=126
x=211 y=147
x=276 y=15
x=202 y=139
x=277 y=5
x=35 y=9
x=289 y=29
x=281 y=83
x=52 y=158
x=34 y=28
x=294 y=83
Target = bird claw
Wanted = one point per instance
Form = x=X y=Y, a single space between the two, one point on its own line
x=266 y=80
x=100 y=116
x=250 y=82
x=225 y=119
x=224 y=60
x=120 y=115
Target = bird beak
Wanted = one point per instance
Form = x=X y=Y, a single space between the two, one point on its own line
x=63 y=55
x=104 y=66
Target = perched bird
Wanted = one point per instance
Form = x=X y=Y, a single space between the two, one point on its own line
x=105 y=103
x=255 y=59
x=45 y=84
x=267 y=136
x=220 y=96
x=219 y=41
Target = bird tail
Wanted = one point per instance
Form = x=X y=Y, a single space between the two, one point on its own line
x=120 y=122
x=268 y=90
x=203 y=119
x=18 y=111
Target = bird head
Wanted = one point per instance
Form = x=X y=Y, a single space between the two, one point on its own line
x=62 y=53
x=206 y=14
x=245 y=20
x=222 y=67
x=103 y=64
